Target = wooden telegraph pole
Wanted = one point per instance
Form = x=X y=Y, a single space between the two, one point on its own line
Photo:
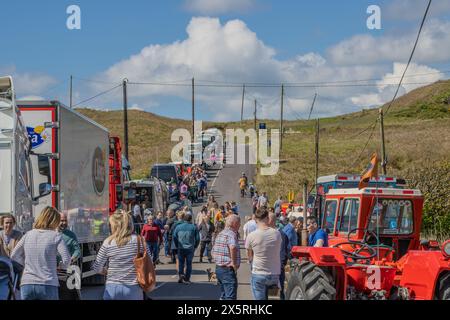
x=193 y=108
x=71 y=79
x=281 y=117
x=305 y=205
x=125 y=117
x=316 y=168
x=255 y=114
x=383 y=148
x=242 y=104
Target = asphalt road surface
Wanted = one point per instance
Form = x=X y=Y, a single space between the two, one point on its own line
x=223 y=184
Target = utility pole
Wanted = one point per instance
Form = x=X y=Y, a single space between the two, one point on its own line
x=125 y=117
x=312 y=106
x=193 y=118
x=242 y=105
x=193 y=108
x=383 y=148
x=71 y=78
x=281 y=117
x=316 y=168
x=255 y=114
x=305 y=207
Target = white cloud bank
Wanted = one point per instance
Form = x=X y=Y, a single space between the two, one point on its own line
x=231 y=52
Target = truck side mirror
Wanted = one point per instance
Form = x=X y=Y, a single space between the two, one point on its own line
x=44 y=166
x=44 y=189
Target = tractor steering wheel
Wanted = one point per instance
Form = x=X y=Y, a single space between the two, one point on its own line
x=358 y=247
x=367 y=235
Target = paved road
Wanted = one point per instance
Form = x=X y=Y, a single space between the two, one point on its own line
x=223 y=184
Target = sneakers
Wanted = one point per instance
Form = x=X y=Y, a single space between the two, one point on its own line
x=181 y=279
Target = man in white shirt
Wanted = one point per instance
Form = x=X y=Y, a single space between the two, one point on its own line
x=249 y=227
x=263 y=200
x=263 y=251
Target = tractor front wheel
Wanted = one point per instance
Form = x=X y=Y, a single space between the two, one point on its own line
x=309 y=282
x=444 y=287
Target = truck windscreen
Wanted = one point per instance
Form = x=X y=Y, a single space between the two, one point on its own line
x=164 y=173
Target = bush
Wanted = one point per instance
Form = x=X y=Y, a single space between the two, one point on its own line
x=433 y=179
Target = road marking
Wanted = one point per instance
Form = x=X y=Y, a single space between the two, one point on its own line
x=214 y=181
x=160 y=285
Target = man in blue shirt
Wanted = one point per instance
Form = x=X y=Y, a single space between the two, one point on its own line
x=317 y=237
x=290 y=232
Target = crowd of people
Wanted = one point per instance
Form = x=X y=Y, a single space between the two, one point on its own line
x=268 y=236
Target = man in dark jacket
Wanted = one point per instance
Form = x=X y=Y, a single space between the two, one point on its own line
x=171 y=218
x=284 y=252
x=186 y=239
x=206 y=229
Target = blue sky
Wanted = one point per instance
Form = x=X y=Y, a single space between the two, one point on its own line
x=281 y=41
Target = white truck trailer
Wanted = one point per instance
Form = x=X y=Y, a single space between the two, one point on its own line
x=18 y=181
x=79 y=166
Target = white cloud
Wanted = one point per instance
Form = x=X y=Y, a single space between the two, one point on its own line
x=434 y=46
x=231 y=52
x=311 y=60
x=422 y=74
x=412 y=10
x=136 y=107
x=31 y=98
x=27 y=83
x=215 y=7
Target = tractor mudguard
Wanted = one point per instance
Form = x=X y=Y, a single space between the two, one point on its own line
x=421 y=271
x=329 y=258
x=321 y=256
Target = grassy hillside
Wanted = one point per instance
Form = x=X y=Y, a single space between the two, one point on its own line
x=417 y=131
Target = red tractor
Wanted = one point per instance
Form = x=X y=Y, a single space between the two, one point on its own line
x=374 y=252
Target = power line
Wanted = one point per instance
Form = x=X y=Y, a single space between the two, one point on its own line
x=367 y=143
x=273 y=84
x=98 y=95
x=410 y=57
x=325 y=85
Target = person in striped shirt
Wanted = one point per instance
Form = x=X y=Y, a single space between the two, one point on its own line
x=226 y=254
x=37 y=252
x=119 y=250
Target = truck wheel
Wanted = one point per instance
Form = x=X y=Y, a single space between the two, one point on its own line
x=444 y=287
x=308 y=282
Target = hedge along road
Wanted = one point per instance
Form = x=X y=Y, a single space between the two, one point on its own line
x=223 y=184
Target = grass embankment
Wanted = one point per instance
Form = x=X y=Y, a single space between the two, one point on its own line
x=417 y=135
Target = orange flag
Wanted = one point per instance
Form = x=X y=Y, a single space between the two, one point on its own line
x=370 y=172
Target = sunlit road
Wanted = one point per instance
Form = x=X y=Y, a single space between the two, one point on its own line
x=223 y=184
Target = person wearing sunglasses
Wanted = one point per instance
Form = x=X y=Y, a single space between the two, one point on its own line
x=317 y=237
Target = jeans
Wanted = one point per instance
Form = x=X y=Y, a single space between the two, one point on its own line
x=261 y=283
x=166 y=246
x=39 y=292
x=227 y=279
x=115 y=291
x=185 y=256
x=205 y=245
x=153 y=247
x=282 y=278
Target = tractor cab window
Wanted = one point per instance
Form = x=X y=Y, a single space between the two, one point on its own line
x=349 y=215
x=394 y=216
x=330 y=215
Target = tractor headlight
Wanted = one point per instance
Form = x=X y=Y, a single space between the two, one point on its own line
x=446 y=249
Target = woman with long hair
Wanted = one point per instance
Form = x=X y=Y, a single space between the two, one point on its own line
x=37 y=252
x=119 y=250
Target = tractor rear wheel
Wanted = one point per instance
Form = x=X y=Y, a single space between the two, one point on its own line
x=444 y=287
x=309 y=282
